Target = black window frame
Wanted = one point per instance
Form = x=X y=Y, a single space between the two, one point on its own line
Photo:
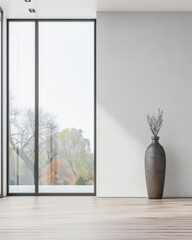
x=36 y=170
x=2 y=15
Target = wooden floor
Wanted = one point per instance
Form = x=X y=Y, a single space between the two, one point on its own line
x=89 y=218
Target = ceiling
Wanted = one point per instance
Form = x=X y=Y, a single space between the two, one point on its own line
x=87 y=8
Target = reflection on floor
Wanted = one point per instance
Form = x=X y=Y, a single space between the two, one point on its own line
x=52 y=189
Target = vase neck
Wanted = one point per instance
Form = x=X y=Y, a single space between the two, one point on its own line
x=155 y=139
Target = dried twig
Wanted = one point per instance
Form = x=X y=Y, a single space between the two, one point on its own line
x=155 y=123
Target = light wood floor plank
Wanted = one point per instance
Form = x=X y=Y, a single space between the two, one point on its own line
x=90 y=218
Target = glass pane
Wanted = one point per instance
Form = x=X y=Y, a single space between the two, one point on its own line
x=21 y=106
x=1 y=170
x=66 y=101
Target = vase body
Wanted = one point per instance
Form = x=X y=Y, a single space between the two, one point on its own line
x=155 y=165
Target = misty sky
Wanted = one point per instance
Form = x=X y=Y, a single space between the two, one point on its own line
x=66 y=71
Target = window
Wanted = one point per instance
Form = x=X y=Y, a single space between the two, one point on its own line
x=51 y=107
x=21 y=107
x=1 y=91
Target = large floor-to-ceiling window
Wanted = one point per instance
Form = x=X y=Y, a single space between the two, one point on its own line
x=1 y=103
x=51 y=107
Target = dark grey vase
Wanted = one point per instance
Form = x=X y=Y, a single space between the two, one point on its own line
x=155 y=165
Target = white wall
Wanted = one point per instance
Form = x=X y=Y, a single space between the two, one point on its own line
x=144 y=61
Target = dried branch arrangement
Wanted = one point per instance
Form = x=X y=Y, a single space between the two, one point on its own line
x=155 y=123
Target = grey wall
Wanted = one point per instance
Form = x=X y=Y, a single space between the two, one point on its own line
x=144 y=61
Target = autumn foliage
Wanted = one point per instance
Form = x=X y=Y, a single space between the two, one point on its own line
x=57 y=173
